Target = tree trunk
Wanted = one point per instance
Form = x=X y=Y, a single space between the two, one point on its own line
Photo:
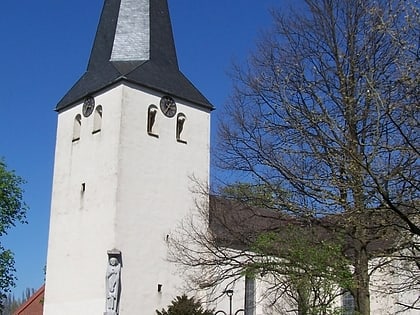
x=303 y=307
x=361 y=291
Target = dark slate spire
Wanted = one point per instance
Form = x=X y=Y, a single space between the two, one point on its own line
x=134 y=42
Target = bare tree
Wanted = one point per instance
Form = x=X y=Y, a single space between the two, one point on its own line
x=327 y=110
x=322 y=129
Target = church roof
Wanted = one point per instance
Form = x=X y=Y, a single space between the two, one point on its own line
x=134 y=43
x=237 y=225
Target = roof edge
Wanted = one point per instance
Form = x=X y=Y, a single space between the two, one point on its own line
x=59 y=109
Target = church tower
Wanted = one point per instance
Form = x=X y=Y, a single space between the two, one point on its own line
x=131 y=132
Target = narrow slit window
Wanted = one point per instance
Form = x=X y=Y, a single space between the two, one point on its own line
x=180 y=124
x=151 y=121
x=77 y=126
x=97 y=119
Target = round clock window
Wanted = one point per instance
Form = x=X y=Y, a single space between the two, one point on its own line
x=88 y=106
x=168 y=106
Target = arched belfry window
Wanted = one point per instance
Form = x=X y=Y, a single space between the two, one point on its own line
x=180 y=126
x=151 y=121
x=77 y=126
x=97 y=119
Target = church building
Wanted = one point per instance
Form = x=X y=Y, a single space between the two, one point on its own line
x=131 y=133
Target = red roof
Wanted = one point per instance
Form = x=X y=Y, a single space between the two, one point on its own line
x=34 y=305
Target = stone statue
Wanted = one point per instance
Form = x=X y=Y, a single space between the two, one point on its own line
x=112 y=285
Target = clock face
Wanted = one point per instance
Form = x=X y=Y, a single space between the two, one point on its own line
x=88 y=106
x=168 y=106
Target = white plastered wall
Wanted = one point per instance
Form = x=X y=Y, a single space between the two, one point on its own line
x=137 y=188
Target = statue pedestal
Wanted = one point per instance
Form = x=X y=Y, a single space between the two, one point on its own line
x=110 y=313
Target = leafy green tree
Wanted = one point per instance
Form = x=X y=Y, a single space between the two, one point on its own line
x=12 y=210
x=304 y=260
x=183 y=305
x=299 y=263
x=304 y=267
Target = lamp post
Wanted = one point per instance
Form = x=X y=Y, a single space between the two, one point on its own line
x=229 y=293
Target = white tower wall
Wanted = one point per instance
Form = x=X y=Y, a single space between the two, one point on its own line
x=137 y=188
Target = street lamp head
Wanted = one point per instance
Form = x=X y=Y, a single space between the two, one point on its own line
x=229 y=292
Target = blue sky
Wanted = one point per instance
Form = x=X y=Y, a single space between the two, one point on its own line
x=45 y=46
